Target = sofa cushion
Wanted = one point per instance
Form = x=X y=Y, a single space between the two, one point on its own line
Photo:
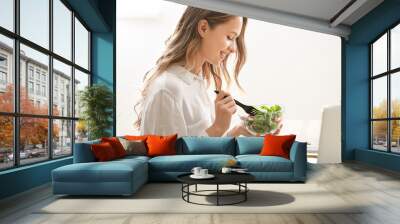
x=103 y=152
x=249 y=145
x=111 y=171
x=275 y=145
x=206 y=145
x=159 y=145
x=132 y=158
x=134 y=147
x=116 y=145
x=83 y=152
x=136 y=137
x=257 y=163
x=185 y=163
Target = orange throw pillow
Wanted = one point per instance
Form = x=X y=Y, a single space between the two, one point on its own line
x=103 y=151
x=275 y=145
x=161 y=145
x=135 y=138
x=116 y=145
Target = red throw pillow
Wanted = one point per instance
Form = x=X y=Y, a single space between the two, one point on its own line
x=116 y=145
x=103 y=151
x=275 y=145
x=161 y=145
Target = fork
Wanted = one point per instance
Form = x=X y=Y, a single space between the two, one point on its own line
x=248 y=109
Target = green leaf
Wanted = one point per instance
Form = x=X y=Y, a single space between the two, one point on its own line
x=96 y=102
x=265 y=120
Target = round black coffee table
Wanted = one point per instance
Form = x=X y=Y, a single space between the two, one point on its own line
x=238 y=179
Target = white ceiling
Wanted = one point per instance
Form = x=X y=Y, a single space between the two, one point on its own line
x=315 y=15
x=321 y=9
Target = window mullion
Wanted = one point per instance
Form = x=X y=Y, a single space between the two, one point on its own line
x=389 y=113
x=50 y=81
x=16 y=84
x=73 y=82
x=370 y=98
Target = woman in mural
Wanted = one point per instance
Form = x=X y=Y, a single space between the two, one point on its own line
x=174 y=96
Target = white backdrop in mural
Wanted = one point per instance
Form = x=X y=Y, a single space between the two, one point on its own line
x=297 y=69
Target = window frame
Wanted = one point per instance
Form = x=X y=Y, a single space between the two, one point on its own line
x=16 y=114
x=388 y=74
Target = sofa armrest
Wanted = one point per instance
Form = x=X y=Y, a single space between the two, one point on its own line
x=298 y=155
x=83 y=152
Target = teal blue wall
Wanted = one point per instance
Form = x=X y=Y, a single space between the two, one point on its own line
x=103 y=53
x=102 y=64
x=24 y=178
x=376 y=158
x=99 y=16
x=357 y=99
x=355 y=82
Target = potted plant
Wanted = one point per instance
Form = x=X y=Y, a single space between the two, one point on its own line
x=96 y=102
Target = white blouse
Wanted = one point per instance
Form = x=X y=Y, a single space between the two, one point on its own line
x=177 y=102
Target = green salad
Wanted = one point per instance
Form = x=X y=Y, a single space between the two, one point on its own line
x=265 y=121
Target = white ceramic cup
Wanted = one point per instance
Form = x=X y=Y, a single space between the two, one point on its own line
x=226 y=170
x=203 y=172
x=196 y=170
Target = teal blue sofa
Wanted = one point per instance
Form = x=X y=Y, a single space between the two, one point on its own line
x=125 y=176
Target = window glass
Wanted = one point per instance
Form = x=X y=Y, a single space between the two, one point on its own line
x=379 y=100
x=62 y=91
x=7 y=14
x=395 y=95
x=62 y=138
x=81 y=45
x=395 y=138
x=39 y=62
x=81 y=82
x=62 y=29
x=34 y=21
x=6 y=74
x=34 y=81
x=81 y=131
x=395 y=47
x=33 y=140
x=379 y=135
x=379 y=56
x=6 y=142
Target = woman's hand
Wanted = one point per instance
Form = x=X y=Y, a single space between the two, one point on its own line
x=280 y=125
x=239 y=130
x=225 y=107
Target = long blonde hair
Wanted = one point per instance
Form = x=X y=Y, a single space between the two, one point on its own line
x=184 y=43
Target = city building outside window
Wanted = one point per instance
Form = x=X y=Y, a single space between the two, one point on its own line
x=3 y=60
x=30 y=72
x=37 y=75
x=38 y=89
x=3 y=78
x=43 y=77
x=3 y=71
x=30 y=87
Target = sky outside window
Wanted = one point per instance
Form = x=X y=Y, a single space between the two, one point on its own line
x=62 y=29
x=379 y=57
x=35 y=21
x=7 y=14
x=81 y=45
x=395 y=47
